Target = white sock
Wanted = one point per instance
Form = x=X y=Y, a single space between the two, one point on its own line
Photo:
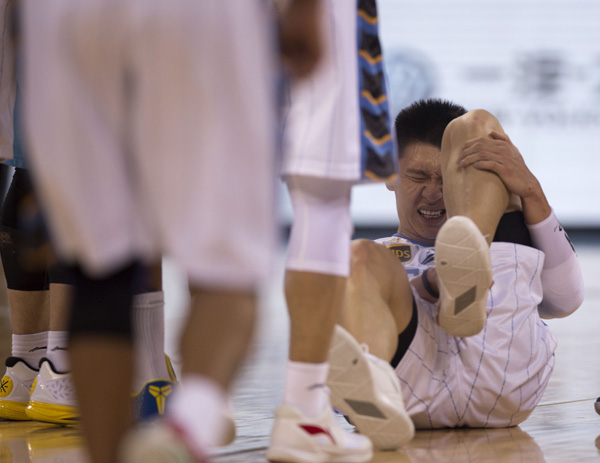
x=305 y=387
x=58 y=343
x=199 y=408
x=30 y=347
x=149 y=338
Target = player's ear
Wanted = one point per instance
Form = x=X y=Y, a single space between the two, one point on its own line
x=392 y=184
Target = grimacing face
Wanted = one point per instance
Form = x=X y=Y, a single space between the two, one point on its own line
x=419 y=197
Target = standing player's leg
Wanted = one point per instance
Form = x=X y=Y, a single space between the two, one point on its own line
x=84 y=183
x=154 y=380
x=101 y=354
x=221 y=149
x=53 y=398
x=29 y=306
x=316 y=270
x=324 y=130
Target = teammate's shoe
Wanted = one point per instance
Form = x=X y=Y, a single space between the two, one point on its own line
x=160 y=442
x=53 y=396
x=15 y=389
x=298 y=439
x=464 y=270
x=151 y=401
x=170 y=369
x=366 y=389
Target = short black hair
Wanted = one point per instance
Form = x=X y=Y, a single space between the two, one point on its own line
x=424 y=121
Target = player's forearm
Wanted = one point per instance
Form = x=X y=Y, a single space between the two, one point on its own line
x=535 y=205
x=562 y=279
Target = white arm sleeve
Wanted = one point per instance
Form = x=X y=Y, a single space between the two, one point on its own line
x=562 y=279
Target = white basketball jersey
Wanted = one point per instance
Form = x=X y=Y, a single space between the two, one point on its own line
x=493 y=379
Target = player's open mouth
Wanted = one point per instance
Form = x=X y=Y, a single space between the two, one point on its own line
x=432 y=214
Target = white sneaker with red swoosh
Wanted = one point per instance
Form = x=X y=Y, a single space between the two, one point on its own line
x=298 y=439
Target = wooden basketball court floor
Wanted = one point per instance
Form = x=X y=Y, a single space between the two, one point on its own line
x=564 y=428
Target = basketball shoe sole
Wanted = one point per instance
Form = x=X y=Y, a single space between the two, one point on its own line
x=366 y=389
x=464 y=271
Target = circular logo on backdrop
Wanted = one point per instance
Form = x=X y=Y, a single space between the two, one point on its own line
x=411 y=77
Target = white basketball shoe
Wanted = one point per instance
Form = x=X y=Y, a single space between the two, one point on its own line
x=366 y=389
x=298 y=439
x=464 y=270
x=15 y=389
x=53 y=397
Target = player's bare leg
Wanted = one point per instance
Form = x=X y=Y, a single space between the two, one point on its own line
x=29 y=311
x=102 y=367
x=316 y=270
x=313 y=301
x=377 y=302
x=477 y=194
x=377 y=307
x=53 y=398
x=475 y=201
x=60 y=305
x=218 y=334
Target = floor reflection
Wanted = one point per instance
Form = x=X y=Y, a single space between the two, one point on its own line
x=25 y=442
x=473 y=445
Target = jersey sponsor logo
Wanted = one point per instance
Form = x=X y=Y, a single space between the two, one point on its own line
x=402 y=251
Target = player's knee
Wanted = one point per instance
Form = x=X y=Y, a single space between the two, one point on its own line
x=19 y=277
x=102 y=306
x=477 y=121
x=362 y=256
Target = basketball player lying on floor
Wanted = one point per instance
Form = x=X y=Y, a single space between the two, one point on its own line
x=465 y=337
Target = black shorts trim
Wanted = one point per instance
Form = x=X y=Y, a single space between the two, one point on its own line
x=513 y=229
x=406 y=337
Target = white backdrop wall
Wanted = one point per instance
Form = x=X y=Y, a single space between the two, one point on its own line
x=535 y=64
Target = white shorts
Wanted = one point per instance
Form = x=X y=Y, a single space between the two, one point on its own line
x=338 y=125
x=152 y=127
x=493 y=379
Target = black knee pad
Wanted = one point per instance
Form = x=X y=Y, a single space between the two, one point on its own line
x=102 y=306
x=22 y=232
x=20 y=188
x=19 y=277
